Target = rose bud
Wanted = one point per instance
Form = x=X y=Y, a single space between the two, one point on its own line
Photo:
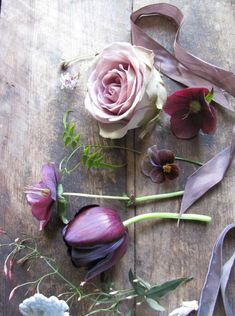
x=42 y=195
x=125 y=91
x=96 y=239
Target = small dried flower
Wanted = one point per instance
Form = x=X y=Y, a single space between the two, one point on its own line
x=159 y=165
x=40 y=305
x=185 y=309
x=68 y=81
x=190 y=111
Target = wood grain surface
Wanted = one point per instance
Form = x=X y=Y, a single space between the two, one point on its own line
x=34 y=36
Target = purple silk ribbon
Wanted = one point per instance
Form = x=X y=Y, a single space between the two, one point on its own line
x=182 y=67
x=217 y=278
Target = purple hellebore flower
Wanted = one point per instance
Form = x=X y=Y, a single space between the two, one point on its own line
x=96 y=239
x=159 y=165
x=42 y=195
x=190 y=112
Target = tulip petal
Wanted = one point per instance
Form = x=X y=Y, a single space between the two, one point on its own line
x=94 y=225
x=207 y=176
x=88 y=256
x=108 y=261
x=184 y=126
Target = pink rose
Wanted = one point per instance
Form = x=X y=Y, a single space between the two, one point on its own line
x=125 y=90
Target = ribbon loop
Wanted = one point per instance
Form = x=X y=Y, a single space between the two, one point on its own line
x=184 y=67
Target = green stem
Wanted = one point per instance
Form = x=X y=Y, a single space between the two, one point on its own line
x=114 y=147
x=156 y=215
x=110 y=197
x=137 y=200
x=156 y=197
x=195 y=162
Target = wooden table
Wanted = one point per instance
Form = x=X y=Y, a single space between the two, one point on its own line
x=35 y=35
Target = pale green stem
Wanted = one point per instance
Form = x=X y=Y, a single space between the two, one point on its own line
x=195 y=162
x=156 y=215
x=136 y=200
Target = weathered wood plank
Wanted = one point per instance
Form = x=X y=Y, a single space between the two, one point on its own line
x=174 y=252
x=35 y=35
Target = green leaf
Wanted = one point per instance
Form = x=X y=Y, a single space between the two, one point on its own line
x=67 y=141
x=62 y=207
x=77 y=137
x=155 y=305
x=210 y=96
x=158 y=291
x=139 y=287
x=71 y=129
x=65 y=117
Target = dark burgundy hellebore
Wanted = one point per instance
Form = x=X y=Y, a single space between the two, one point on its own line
x=159 y=165
x=190 y=112
x=96 y=239
x=42 y=195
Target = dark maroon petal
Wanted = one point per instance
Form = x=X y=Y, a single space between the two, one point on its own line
x=164 y=156
x=207 y=176
x=209 y=120
x=185 y=127
x=95 y=225
x=50 y=178
x=180 y=100
x=109 y=261
x=146 y=166
x=174 y=172
x=157 y=175
x=42 y=210
x=82 y=257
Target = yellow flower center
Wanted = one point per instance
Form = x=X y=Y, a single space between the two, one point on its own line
x=167 y=168
x=195 y=107
x=45 y=192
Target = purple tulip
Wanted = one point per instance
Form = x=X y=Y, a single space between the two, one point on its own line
x=96 y=238
x=190 y=112
x=42 y=195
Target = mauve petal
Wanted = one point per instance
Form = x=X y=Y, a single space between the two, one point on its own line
x=174 y=172
x=157 y=175
x=82 y=257
x=92 y=226
x=33 y=197
x=209 y=120
x=163 y=156
x=50 y=178
x=180 y=100
x=185 y=127
x=146 y=166
x=109 y=261
x=42 y=210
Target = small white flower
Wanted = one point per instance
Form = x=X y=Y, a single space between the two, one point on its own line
x=185 y=309
x=68 y=81
x=40 y=305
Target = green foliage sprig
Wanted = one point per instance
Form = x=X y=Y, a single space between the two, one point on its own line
x=91 y=156
x=105 y=299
